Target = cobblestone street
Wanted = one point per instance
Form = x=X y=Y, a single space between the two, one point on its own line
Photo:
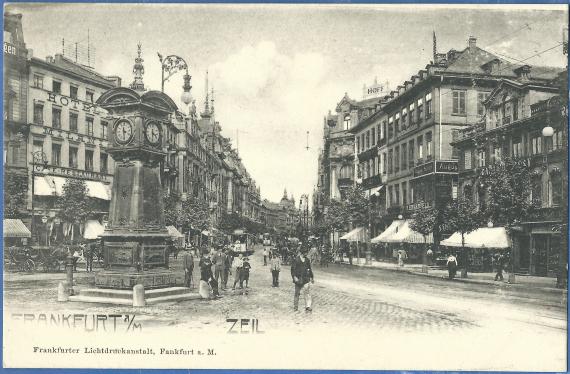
x=346 y=300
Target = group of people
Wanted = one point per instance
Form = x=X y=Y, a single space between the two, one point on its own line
x=500 y=260
x=215 y=269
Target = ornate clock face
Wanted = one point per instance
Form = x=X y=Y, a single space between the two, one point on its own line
x=152 y=133
x=123 y=132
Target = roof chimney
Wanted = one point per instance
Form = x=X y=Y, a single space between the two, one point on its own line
x=472 y=42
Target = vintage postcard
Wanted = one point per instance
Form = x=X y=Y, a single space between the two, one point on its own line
x=271 y=186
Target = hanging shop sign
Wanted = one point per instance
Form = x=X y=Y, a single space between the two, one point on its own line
x=418 y=206
x=437 y=167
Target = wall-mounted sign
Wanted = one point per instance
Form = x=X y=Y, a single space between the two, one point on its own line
x=73 y=103
x=438 y=167
x=10 y=49
x=73 y=173
x=446 y=167
x=59 y=133
x=418 y=206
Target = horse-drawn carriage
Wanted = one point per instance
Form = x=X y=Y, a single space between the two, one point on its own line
x=29 y=259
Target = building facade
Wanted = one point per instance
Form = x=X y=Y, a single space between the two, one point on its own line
x=517 y=112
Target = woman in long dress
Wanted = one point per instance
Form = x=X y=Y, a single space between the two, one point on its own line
x=451 y=265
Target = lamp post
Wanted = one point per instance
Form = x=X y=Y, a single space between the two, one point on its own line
x=38 y=159
x=171 y=65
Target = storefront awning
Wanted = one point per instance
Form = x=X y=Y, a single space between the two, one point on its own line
x=405 y=234
x=485 y=237
x=173 y=232
x=15 y=228
x=356 y=235
x=373 y=190
x=93 y=229
x=391 y=230
x=53 y=186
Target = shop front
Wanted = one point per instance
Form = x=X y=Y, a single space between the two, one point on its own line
x=538 y=249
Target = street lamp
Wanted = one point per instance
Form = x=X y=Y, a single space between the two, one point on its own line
x=38 y=159
x=171 y=65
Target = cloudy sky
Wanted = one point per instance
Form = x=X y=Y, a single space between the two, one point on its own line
x=278 y=69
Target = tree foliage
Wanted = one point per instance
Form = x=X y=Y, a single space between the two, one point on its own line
x=357 y=206
x=74 y=204
x=192 y=213
x=461 y=215
x=424 y=221
x=15 y=194
x=508 y=186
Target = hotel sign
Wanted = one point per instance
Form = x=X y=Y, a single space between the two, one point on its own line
x=418 y=206
x=72 y=103
x=58 y=133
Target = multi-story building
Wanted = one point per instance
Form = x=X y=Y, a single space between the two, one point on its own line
x=517 y=111
x=15 y=126
x=68 y=135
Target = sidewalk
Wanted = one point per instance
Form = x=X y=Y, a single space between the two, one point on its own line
x=526 y=281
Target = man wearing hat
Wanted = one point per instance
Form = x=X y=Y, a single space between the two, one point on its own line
x=302 y=275
x=219 y=266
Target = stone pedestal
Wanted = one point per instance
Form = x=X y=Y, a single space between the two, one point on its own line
x=127 y=280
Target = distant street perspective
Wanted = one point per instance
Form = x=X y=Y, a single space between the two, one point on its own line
x=398 y=198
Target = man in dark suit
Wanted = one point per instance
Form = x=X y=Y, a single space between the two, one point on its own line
x=188 y=265
x=302 y=275
x=220 y=261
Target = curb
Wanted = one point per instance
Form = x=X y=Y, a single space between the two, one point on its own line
x=464 y=280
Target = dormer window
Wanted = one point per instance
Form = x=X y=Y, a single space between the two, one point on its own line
x=347 y=122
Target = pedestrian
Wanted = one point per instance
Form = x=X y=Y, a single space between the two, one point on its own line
x=429 y=255
x=302 y=275
x=275 y=269
x=451 y=265
x=500 y=263
x=401 y=257
x=237 y=264
x=246 y=267
x=76 y=256
x=219 y=266
x=89 y=253
x=227 y=266
x=264 y=256
x=188 y=265
x=207 y=276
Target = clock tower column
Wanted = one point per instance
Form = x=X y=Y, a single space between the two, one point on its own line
x=135 y=240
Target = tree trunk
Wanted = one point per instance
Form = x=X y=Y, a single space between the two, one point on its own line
x=424 y=256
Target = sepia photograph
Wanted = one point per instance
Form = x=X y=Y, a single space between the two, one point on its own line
x=285 y=186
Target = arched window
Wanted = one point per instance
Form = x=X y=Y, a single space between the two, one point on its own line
x=346 y=172
x=347 y=122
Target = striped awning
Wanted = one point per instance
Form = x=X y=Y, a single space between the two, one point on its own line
x=391 y=230
x=356 y=235
x=15 y=228
x=406 y=235
x=49 y=185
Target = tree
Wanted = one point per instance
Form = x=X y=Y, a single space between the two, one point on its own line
x=462 y=215
x=357 y=206
x=15 y=194
x=74 y=204
x=424 y=221
x=508 y=191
